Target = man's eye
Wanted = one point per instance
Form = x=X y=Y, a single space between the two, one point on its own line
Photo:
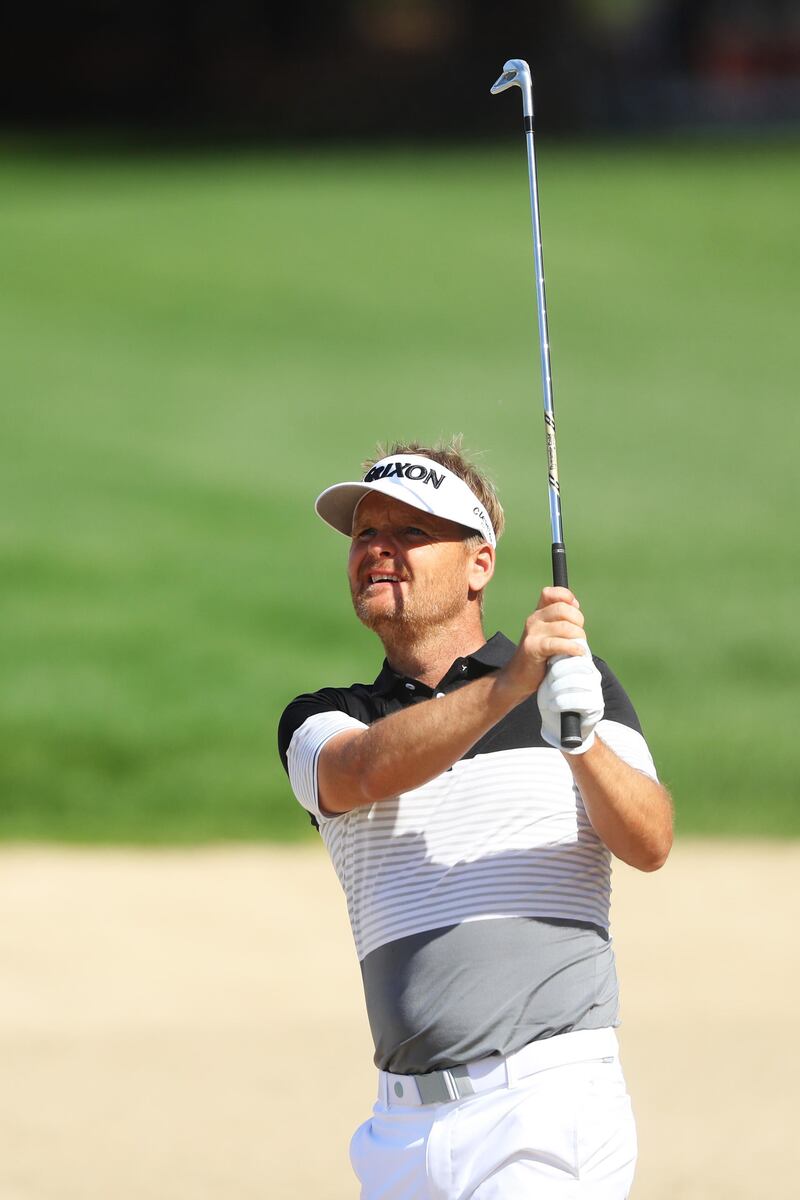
x=364 y=533
x=415 y=532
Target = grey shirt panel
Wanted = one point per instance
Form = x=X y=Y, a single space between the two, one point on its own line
x=449 y=996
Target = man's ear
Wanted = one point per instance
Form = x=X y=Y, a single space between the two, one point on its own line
x=481 y=568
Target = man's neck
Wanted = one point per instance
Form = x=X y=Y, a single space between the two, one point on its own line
x=429 y=654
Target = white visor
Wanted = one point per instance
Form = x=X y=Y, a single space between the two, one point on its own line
x=415 y=480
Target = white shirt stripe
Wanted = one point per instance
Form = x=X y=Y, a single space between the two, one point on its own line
x=502 y=834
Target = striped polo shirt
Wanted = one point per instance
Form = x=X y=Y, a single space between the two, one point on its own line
x=479 y=902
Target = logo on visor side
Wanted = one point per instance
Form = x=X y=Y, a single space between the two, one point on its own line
x=414 y=471
x=482 y=517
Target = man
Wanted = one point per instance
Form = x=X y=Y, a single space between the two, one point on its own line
x=475 y=853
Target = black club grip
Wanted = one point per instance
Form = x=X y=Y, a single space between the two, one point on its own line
x=559 y=554
x=570 y=721
x=570 y=730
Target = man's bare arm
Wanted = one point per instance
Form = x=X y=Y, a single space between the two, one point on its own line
x=410 y=747
x=629 y=812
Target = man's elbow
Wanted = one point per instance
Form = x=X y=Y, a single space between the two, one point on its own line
x=655 y=862
x=656 y=853
x=659 y=844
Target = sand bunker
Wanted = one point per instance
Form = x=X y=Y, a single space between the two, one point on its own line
x=189 y=1025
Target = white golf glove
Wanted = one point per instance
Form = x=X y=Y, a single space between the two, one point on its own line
x=571 y=684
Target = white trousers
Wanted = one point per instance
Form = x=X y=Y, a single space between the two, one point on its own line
x=564 y=1132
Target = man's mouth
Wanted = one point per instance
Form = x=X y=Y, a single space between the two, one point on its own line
x=383 y=578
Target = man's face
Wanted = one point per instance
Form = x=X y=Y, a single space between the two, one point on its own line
x=406 y=568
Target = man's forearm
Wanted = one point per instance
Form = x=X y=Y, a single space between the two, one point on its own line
x=407 y=749
x=630 y=813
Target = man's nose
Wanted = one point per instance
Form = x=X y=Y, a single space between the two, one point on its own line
x=382 y=542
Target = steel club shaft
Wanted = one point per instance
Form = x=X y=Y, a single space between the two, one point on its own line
x=516 y=73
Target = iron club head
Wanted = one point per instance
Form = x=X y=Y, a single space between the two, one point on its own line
x=516 y=73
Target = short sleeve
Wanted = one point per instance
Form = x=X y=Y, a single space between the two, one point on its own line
x=303 y=756
x=620 y=728
x=629 y=745
x=307 y=724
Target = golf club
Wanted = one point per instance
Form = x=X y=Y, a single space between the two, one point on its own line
x=516 y=73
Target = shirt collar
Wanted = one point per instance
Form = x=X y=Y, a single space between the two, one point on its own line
x=490 y=657
x=496 y=652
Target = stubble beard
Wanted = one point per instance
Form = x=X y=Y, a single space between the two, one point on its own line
x=409 y=622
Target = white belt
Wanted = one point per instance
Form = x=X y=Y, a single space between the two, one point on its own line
x=498 y=1070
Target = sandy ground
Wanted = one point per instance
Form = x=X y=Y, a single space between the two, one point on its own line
x=188 y=1025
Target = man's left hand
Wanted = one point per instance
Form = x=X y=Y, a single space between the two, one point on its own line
x=571 y=685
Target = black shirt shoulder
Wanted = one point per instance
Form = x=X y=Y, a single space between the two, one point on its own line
x=618 y=706
x=368 y=702
x=355 y=700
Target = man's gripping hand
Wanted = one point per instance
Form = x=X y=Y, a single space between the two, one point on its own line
x=553 y=660
x=556 y=628
x=571 y=684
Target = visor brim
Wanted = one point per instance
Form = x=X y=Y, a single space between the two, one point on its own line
x=337 y=504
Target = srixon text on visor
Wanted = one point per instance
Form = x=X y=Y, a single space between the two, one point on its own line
x=413 y=471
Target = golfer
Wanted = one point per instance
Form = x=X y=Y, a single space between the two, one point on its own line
x=475 y=854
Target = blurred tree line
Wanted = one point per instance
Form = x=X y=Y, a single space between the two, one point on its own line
x=357 y=69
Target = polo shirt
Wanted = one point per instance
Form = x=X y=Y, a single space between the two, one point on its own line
x=479 y=902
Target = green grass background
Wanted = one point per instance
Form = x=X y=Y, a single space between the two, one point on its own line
x=193 y=347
